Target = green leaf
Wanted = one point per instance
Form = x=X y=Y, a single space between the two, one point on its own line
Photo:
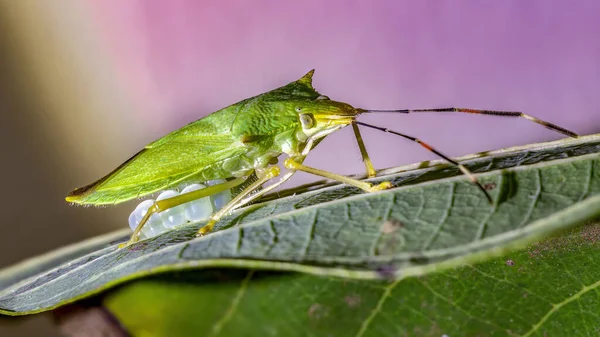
x=549 y=289
x=436 y=219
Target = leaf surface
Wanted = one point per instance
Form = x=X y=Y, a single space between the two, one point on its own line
x=434 y=220
x=548 y=289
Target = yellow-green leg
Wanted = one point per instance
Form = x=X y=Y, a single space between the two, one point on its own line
x=270 y=173
x=292 y=164
x=163 y=205
x=363 y=151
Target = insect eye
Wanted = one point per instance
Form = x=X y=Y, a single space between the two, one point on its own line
x=307 y=121
x=323 y=97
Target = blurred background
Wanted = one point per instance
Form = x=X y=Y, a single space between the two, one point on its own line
x=84 y=85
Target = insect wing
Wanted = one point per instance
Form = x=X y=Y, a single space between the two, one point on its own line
x=173 y=159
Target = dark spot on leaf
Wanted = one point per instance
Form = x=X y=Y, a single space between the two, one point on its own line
x=489 y=187
x=137 y=247
x=419 y=260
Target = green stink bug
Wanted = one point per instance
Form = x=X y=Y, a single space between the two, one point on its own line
x=244 y=139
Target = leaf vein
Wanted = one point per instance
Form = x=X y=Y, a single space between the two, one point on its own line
x=442 y=221
x=535 y=200
x=311 y=234
x=447 y=300
x=384 y=296
x=216 y=330
x=558 y=306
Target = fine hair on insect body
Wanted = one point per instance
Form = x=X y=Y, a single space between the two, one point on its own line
x=195 y=168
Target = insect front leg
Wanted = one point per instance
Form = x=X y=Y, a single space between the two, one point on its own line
x=163 y=205
x=363 y=151
x=428 y=147
x=239 y=199
x=246 y=196
x=292 y=164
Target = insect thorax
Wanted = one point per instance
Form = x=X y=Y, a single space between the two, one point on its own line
x=262 y=151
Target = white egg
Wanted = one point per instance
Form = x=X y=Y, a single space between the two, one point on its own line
x=138 y=213
x=193 y=211
x=152 y=227
x=171 y=217
x=219 y=200
x=197 y=210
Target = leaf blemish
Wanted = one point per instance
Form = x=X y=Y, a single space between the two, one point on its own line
x=391 y=239
x=391 y=226
x=419 y=260
x=318 y=311
x=489 y=187
x=138 y=247
x=387 y=272
x=352 y=300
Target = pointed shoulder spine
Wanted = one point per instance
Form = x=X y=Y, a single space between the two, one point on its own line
x=307 y=79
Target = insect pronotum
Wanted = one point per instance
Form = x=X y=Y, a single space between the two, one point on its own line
x=217 y=153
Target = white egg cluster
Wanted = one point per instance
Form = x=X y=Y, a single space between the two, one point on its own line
x=192 y=211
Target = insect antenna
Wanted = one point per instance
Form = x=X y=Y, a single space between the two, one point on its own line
x=517 y=114
x=463 y=169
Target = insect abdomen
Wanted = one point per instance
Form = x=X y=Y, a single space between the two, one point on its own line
x=194 y=211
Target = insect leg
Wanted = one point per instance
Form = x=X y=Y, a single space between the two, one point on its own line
x=238 y=201
x=517 y=114
x=464 y=170
x=163 y=205
x=292 y=164
x=298 y=158
x=363 y=152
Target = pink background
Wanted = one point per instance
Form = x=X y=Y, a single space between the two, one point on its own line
x=184 y=59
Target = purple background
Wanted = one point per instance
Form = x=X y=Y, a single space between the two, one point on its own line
x=184 y=59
